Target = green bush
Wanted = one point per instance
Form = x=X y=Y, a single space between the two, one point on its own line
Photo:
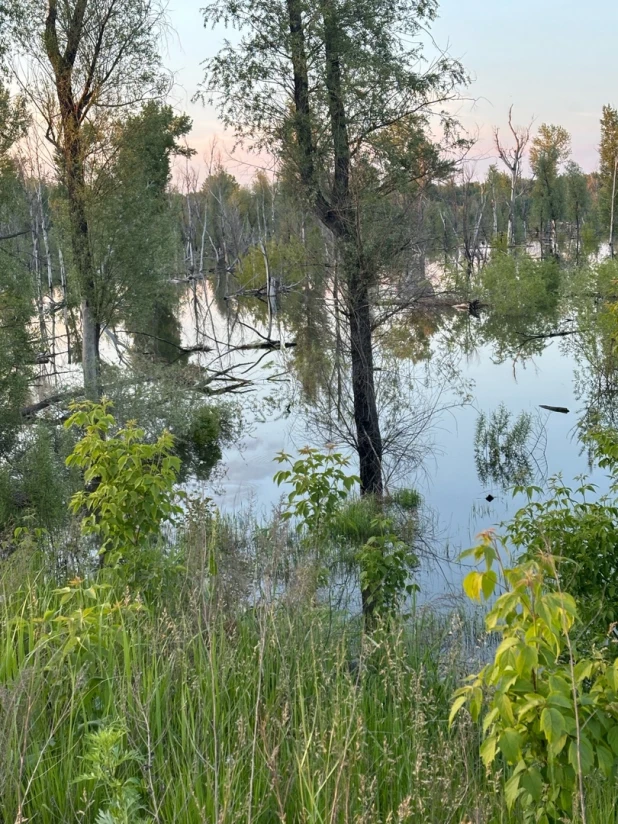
x=130 y=483
x=548 y=713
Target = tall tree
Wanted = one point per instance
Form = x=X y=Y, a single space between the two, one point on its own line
x=512 y=158
x=86 y=58
x=550 y=148
x=334 y=89
x=608 y=172
x=134 y=232
x=17 y=342
x=577 y=202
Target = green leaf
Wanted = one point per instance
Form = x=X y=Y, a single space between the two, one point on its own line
x=488 y=750
x=472 y=585
x=458 y=703
x=527 y=660
x=512 y=790
x=552 y=724
x=489 y=581
x=612 y=738
x=557 y=746
x=510 y=745
x=558 y=699
x=532 y=783
x=586 y=753
x=504 y=705
x=606 y=760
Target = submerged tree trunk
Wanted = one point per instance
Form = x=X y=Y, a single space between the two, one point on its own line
x=338 y=212
x=366 y=418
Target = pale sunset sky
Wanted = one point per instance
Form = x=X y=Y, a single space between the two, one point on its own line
x=554 y=60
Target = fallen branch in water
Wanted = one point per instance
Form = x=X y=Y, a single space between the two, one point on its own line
x=562 y=334
x=244 y=347
x=266 y=343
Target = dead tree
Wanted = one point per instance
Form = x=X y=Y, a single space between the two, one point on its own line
x=512 y=158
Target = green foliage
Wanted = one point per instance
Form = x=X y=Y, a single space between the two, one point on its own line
x=319 y=486
x=354 y=523
x=318 y=502
x=522 y=294
x=385 y=564
x=131 y=481
x=407 y=499
x=519 y=285
x=105 y=762
x=221 y=717
x=35 y=485
x=13 y=118
x=502 y=449
x=210 y=426
x=375 y=533
x=551 y=715
x=582 y=530
x=286 y=261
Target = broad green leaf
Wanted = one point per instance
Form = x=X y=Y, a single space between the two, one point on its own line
x=510 y=745
x=612 y=738
x=472 y=584
x=458 y=703
x=489 y=581
x=512 y=790
x=586 y=755
x=504 y=705
x=606 y=760
x=556 y=747
x=558 y=699
x=527 y=660
x=532 y=783
x=552 y=724
x=488 y=750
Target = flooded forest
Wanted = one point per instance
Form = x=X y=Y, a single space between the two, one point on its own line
x=255 y=413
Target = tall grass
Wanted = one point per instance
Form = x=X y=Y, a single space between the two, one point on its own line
x=273 y=715
x=112 y=710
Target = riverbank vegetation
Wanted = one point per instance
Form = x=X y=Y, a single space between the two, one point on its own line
x=166 y=660
x=224 y=672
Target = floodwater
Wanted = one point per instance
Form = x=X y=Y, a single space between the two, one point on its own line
x=464 y=367
x=455 y=509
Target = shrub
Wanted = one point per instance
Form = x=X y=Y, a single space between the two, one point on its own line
x=549 y=714
x=130 y=483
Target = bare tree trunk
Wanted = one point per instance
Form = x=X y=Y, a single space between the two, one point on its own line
x=90 y=351
x=83 y=257
x=510 y=234
x=65 y=305
x=512 y=159
x=366 y=419
x=338 y=213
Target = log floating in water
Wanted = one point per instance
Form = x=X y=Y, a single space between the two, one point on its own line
x=562 y=409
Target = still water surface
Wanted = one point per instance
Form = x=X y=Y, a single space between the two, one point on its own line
x=455 y=505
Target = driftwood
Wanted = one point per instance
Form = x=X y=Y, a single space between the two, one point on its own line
x=549 y=335
x=243 y=347
x=562 y=409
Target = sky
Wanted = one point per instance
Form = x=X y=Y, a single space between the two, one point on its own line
x=554 y=61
